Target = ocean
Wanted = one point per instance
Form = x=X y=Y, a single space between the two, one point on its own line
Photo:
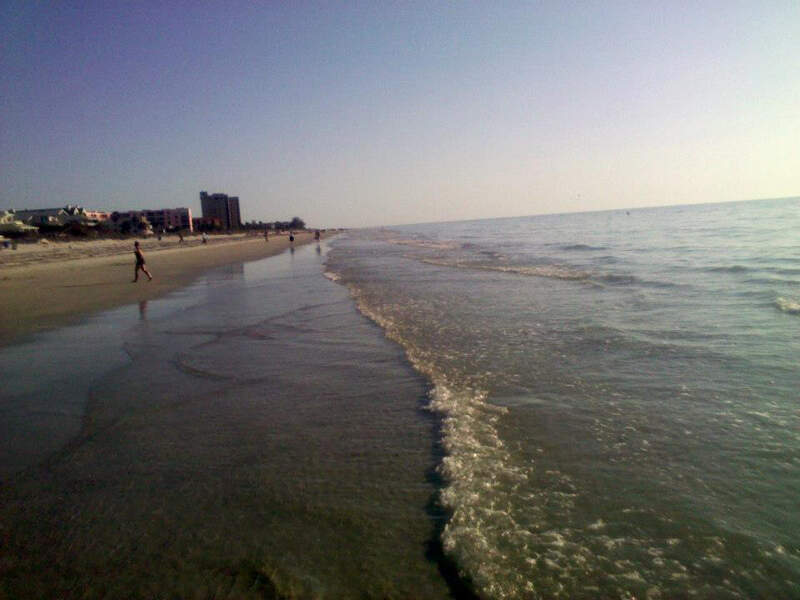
x=619 y=393
x=594 y=405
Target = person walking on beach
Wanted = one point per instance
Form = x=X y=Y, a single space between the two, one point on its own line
x=291 y=237
x=140 y=264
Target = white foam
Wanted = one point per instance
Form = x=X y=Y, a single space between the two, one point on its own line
x=501 y=529
x=597 y=525
x=481 y=477
x=791 y=307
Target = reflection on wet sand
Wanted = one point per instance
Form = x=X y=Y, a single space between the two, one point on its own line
x=232 y=456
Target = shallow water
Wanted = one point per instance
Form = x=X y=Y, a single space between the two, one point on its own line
x=619 y=393
x=250 y=435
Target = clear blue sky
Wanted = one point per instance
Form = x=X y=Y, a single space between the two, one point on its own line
x=351 y=114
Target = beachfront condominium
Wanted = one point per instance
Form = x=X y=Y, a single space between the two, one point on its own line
x=222 y=207
x=169 y=219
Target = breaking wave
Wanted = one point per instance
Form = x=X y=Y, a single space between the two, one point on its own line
x=479 y=474
x=791 y=307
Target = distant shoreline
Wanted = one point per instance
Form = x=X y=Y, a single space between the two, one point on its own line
x=43 y=286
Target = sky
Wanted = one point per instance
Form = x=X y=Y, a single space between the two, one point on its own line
x=351 y=114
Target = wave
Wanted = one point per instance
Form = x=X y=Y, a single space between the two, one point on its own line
x=582 y=247
x=494 y=516
x=548 y=271
x=477 y=534
x=552 y=272
x=483 y=526
x=742 y=269
x=617 y=279
x=772 y=281
x=791 y=307
x=727 y=269
x=423 y=244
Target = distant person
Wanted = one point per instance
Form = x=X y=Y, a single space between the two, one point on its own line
x=316 y=235
x=266 y=235
x=180 y=236
x=291 y=237
x=140 y=264
x=205 y=238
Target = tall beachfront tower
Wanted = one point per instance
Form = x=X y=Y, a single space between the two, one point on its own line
x=222 y=207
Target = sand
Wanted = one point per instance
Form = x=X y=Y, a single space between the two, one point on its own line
x=47 y=285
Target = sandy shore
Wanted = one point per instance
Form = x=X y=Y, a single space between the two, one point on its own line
x=47 y=285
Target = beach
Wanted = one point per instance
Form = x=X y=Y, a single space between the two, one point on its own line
x=250 y=435
x=546 y=348
x=45 y=285
x=597 y=405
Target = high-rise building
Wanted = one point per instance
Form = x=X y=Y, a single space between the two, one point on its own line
x=222 y=207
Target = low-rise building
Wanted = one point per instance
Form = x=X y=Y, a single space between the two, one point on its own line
x=56 y=217
x=133 y=221
x=170 y=219
x=10 y=223
x=98 y=215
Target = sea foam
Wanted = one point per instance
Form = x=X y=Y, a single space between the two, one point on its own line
x=791 y=307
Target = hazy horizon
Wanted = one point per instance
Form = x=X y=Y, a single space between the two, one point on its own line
x=359 y=115
x=591 y=210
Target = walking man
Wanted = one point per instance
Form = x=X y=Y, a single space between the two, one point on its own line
x=140 y=264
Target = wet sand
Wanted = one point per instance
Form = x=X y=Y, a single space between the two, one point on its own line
x=251 y=436
x=48 y=285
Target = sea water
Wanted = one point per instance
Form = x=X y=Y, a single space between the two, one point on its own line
x=597 y=405
x=619 y=394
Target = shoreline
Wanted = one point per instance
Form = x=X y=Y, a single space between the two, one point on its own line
x=46 y=287
x=256 y=435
